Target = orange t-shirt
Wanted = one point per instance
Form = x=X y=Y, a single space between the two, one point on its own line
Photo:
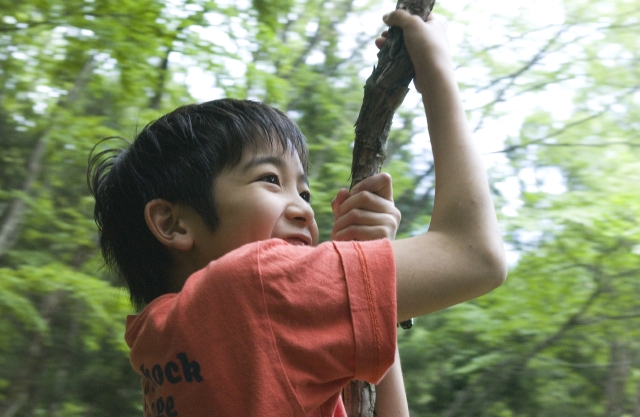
x=269 y=329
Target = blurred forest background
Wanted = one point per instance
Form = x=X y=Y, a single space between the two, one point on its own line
x=553 y=93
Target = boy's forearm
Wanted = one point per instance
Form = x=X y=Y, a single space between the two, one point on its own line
x=461 y=257
x=463 y=202
x=391 y=399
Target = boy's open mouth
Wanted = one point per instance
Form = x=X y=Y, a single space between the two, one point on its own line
x=296 y=241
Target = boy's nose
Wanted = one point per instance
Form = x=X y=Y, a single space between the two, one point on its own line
x=301 y=211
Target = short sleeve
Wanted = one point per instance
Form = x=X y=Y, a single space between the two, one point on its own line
x=371 y=285
x=332 y=310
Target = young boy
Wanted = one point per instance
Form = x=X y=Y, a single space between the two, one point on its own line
x=207 y=217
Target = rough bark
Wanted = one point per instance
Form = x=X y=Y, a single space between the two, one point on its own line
x=359 y=399
x=384 y=91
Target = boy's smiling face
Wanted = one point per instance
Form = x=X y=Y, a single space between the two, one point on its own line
x=264 y=196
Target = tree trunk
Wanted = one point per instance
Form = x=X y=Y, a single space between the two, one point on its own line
x=20 y=390
x=384 y=91
x=616 y=379
x=9 y=228
x=636 y=400
x=163 y=69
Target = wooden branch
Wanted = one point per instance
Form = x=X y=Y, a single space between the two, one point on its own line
x=9 y=227
x=163 y=69
x=384 y=91
x=359 y=399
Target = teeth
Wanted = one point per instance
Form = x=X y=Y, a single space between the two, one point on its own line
x=296 y=242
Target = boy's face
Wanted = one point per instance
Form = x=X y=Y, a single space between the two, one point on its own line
x=264 y=196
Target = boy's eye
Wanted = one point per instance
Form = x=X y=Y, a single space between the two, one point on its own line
x=306 y=196
x=271 y=178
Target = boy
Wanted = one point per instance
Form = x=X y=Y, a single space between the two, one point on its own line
x=206 y=216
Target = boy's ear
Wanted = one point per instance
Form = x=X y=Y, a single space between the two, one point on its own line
x=167 y=223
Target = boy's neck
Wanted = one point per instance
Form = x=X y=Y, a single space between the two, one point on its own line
x=180 y=272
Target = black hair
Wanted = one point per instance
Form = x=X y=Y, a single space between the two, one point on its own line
x=176 y=158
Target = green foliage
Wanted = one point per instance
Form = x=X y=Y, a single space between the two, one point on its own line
x=559 y=338
x=65 y=327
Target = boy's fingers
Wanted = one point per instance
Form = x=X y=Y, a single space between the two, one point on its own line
x=380 y=40
x=360 y=233
x=367 y=212
x=359 y=217
x=426 y=42
x=365 y=201
x=403 y=19
x=400 y=18
x=379 y=184
x=362 y=224
x=393 y=18
x=342 y=195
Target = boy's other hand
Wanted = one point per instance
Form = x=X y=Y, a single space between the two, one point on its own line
x=367 y=212
x=426 y=42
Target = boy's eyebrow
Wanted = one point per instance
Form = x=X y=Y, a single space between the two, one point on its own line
x=273 y=160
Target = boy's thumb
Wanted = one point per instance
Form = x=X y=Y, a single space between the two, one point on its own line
x=396 y=18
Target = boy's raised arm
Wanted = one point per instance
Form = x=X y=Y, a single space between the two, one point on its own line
x=461 y=256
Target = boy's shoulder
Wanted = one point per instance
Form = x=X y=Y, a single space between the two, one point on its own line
x=276 y=272
x=279 y=252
